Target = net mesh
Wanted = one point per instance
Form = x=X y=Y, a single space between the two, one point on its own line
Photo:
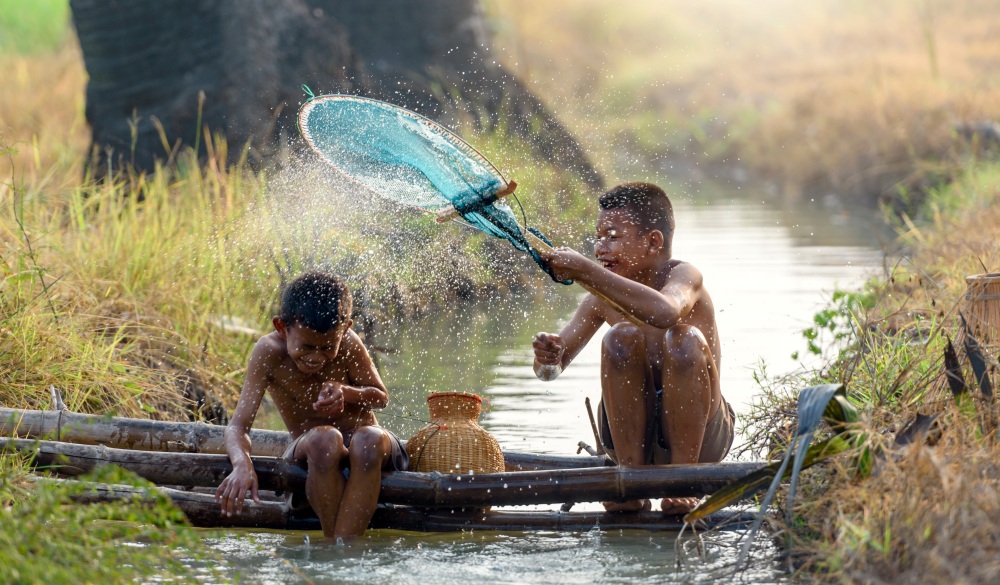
x=407 y=158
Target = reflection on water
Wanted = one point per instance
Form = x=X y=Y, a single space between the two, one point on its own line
x=768 y=271
x=401 y=558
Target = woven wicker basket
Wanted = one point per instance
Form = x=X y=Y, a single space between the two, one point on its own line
x=454 y=442
x=982 y=311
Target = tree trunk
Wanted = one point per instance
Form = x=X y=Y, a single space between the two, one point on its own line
x=149 y=63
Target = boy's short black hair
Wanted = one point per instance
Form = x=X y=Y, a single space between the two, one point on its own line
x=645 y=202
x=317 y=300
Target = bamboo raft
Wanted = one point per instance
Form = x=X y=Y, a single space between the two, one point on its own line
x=189 y=456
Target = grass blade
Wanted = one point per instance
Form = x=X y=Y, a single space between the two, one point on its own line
x=754 y=482
x=975 y=353
x=953 y=371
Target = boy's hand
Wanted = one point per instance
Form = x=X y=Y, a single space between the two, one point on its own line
x=549 y=349
x=331 y=399
x=233 y=490
x=566 y=263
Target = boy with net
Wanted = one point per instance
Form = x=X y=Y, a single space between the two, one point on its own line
x=661 y=401
x=325 y=387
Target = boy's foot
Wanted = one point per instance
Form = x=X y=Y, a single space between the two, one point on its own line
x=633 y=506
x=678 y=505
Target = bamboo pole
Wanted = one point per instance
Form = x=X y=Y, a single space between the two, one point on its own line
x=202 y=511
x=131 y=433
x=183 y=469
x=560 y=485
x=183 y=437
x=407 y=488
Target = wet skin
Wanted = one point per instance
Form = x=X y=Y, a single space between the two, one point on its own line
x=324 y=386
x=677 y=349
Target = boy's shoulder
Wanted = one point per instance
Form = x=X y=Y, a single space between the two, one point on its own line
x=676 y=267
x=672 y=263
x=353 y=345
x=270 y=346
x=682 y=274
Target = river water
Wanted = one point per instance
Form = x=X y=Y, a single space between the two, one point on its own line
x=768 y=267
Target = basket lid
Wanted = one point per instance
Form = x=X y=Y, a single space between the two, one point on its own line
x=988 y=277
x=454 y=405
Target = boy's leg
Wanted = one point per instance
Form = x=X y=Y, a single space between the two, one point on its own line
x=691 y=395
x=369 y=449
x=324 y=451
x=628 y=395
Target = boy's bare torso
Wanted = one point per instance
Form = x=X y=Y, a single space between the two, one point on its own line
x=701 y=316
x=294 y=392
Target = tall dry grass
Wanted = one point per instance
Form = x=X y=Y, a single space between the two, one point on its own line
x=108 y=291
x=141 y=294
x=930 y=511
x=817 y=97
x=42 y=115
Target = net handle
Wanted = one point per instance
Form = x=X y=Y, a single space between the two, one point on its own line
x=449 y=213
x=541 y=246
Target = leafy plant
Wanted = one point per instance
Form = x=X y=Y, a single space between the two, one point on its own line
x=823 y=402
x=835 y=326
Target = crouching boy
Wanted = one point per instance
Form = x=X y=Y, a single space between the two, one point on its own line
x=661 y=397
x=325 y=387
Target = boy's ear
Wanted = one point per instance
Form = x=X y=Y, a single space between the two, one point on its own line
x=280 y=327
x=655 y=241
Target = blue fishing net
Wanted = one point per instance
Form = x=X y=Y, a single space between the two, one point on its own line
x=409 y=159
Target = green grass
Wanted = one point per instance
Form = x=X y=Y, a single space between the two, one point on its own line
x=30 y=26
x=46 y=538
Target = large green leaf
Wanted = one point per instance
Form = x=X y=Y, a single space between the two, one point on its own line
x=756 y=481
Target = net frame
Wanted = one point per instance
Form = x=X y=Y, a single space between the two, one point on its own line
x=477 y=206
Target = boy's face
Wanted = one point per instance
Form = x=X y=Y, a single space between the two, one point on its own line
x=309 y=349
x=621 y=245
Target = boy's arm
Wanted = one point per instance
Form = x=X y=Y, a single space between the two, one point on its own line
x=660 y=308
x=232 y=491
x=553 y=353
x=365 y=387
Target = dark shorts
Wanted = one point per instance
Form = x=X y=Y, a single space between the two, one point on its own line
x=397 y=461
x=719 y=435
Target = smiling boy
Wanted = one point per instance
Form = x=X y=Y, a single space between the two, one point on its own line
x=325 y=387
x=661 y=401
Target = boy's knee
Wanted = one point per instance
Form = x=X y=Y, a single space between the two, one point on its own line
x=367 y=448
x=325 y=448
x=622 y=342
x=685 y=347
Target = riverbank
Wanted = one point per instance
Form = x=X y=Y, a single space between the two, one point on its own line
x=928 y=511
x=128 y=297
